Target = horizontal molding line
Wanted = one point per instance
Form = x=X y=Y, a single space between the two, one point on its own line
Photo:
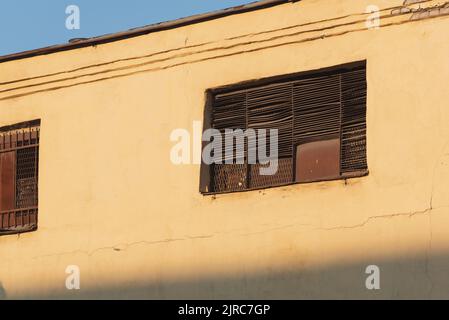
x=189 y=54
x=158 y=27
x=320 y=37
x=202 y=44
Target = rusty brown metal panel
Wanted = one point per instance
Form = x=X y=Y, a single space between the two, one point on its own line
x=7 y=141
x=318 y=160
x=12 y=220
x=20 y=138
x=270 y=107
x=284 y=175
x=321 y=118
x=2 y=224
x=7 y=179
x=26 y=217
x=316 y=108
x=13 y=140
x=34 y=138
x=6 y=220
x=19 y=156
x=353 y=148
x=33 y=217
x=26 y=138
x=229 y=177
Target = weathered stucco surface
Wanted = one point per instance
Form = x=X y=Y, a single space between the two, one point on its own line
x=111 y=201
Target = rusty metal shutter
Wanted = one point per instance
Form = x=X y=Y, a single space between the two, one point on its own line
x=353 y=127
x=270 y=107
x=321 y=119
x=317 y=112
x=267 y=107
x=7 y=172
x=284 y=175
x=229 y=112
x=318 y=160
x=19 y=154
x=316 y=109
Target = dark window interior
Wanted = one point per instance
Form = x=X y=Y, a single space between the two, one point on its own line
x=321 y=118
x=19 y=159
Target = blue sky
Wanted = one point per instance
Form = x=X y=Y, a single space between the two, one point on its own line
x=31 y=24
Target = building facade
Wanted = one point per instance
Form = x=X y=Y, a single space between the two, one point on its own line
x=97 y=192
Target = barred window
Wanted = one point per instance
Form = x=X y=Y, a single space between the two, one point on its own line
x=321 y=121
x=19 y=160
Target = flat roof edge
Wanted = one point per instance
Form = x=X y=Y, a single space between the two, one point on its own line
x=162 y=26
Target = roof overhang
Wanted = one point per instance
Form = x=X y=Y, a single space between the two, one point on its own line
x=145 y=30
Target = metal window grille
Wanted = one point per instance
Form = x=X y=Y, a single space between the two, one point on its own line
x=19 y=163
x=310 y=110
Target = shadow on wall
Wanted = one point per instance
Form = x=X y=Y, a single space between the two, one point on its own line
x=2 y=292
x=412 y=277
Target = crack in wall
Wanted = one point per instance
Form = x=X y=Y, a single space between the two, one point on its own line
x=429 y=247
x=427 y=211
x=393 y=215
x=124 y=246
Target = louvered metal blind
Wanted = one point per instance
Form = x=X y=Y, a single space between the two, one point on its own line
x=325 y=106
x=19 y=155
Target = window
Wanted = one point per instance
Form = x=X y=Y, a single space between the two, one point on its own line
x=321 y=121
x=19 y=155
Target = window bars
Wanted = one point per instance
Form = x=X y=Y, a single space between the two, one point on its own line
x=19 y=163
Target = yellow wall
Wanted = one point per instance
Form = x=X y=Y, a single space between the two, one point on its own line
x=111 y=202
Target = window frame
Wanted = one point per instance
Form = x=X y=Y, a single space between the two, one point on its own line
x=205 y=170
x=23 y=217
